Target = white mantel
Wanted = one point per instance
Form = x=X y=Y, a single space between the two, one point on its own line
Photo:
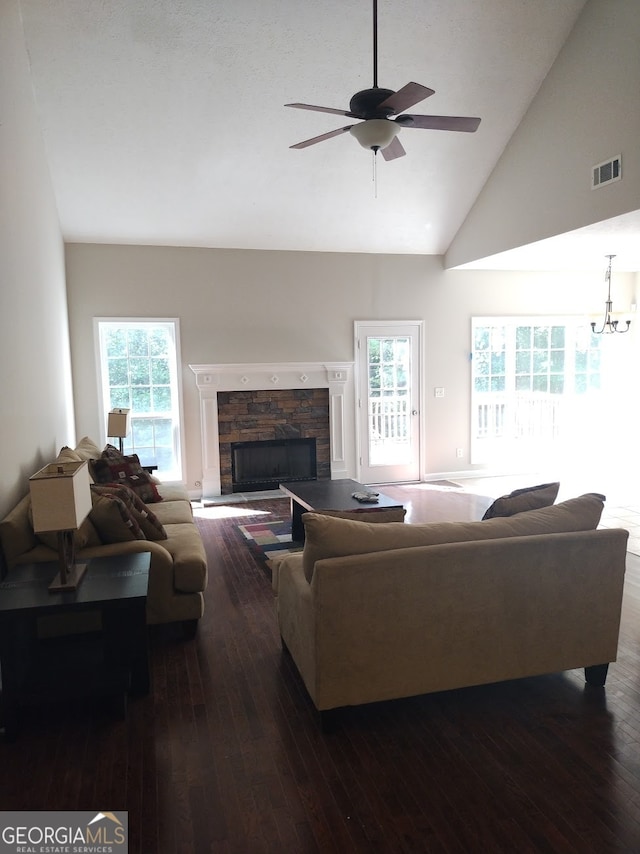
x=336 y=376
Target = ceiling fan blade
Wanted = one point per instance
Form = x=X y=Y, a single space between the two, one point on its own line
x=460 y=123
x=322 y=137
x=393 y=150
x=323 y=110
x=406 y=97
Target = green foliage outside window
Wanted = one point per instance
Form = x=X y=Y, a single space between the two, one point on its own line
x=138 y=359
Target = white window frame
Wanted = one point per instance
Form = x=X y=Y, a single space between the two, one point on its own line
x=531 y=427
x=177 y=413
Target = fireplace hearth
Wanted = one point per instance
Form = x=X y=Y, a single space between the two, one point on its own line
x=265 y=464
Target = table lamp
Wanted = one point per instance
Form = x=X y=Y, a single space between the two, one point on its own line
x=118 y=425
x=60 y=502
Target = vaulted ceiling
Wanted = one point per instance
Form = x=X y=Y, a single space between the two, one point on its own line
x=164 y=120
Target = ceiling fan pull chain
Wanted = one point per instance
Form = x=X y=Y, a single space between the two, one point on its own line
x=375 y=175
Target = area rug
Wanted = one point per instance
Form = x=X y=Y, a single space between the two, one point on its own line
x=270 y=540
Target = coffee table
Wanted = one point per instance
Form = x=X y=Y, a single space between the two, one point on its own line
x=309 y=495
x=110 y=664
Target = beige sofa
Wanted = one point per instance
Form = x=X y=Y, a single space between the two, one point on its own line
x=378 y=612
x=178 y=570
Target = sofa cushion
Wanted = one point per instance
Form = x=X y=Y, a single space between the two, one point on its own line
x=16 y=531
x=173 y=491
x=328 y=537
x=521 y=500
x=127 y=471
x=172 y=512
x=148 y=522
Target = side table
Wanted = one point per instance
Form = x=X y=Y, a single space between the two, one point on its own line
x=113 y=662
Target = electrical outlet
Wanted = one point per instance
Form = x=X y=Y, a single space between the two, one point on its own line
x=459 y=453
x=438 y=392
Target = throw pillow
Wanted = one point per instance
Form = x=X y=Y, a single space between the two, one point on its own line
x=86 y=449
x=112 y=453
x=521 y=500
x=328 y=537
x=85 y=536
x=68 y=455
x=148 y=522
x=112 y=520
x=126 y=471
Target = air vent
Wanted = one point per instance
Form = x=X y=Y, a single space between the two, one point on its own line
x=606 y=172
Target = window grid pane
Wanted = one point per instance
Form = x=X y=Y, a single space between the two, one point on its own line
x=525 y=375
x=139 y=369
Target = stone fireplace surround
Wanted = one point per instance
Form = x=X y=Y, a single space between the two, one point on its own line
x=336 y=377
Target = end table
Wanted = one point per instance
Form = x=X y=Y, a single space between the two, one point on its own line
x=113 y=663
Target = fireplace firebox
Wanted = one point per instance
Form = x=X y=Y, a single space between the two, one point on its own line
x=263 y=464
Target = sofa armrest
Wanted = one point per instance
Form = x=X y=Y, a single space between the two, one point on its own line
x=297 y=619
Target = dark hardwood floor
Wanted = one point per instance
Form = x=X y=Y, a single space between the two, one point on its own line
x=226 y=754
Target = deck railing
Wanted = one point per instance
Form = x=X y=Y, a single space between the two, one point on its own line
x=519 y=417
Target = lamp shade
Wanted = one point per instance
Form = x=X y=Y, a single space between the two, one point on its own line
x=375 y=133
x=118 y=423
x=60 y=496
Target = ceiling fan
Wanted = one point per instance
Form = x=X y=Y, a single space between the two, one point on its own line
x=377 y=130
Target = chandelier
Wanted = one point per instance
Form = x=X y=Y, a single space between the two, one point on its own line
x=609 y=325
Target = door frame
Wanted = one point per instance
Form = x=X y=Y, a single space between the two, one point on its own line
x=414 y=327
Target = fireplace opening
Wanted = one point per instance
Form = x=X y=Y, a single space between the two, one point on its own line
x=262 y=465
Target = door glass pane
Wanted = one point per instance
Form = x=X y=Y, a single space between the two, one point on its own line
x=389 y=400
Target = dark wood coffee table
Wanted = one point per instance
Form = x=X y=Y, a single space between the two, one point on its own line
x=309 y=495
x=112 y=664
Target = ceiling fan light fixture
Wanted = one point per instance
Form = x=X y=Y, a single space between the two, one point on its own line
x=375 y=134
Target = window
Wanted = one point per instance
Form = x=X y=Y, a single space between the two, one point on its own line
x=139 y=372
x=531 y=379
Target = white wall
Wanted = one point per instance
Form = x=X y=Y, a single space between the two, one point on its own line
x=585 y=111
x=257 y=306
x=36 y=415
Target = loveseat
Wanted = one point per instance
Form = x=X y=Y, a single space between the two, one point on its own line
x=122 y=523
x=378 y=612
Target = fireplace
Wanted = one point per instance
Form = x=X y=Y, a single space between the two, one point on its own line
x=278 y=416
x=244 y=402
x=263 y=465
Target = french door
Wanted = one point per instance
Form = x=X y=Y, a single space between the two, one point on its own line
x=388 y=358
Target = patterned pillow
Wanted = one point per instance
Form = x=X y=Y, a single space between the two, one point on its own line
x=521 y=500
x=112 y=453
x=112 y=520
x=148 y=522
x=126 y=471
